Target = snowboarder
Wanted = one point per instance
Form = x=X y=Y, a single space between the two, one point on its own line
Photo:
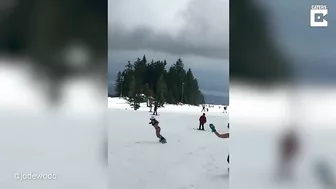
x=203 y=108
x=202 y=121
x=155 y=124
x=155 y=108
x=223 y=135
x=225 y=108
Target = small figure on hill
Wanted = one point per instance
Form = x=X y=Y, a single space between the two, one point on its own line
x=155 y=124
x=203 y=108
x=150 y=107
x=202 y=121
x=150 y=102
x=225 y=108
x=155 y=108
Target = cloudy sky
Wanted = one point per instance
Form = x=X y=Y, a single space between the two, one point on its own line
x=312 y=51
x=195 y=30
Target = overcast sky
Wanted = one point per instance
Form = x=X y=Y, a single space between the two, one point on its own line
x=198 y=32
x=311 y=50
x=195 y=30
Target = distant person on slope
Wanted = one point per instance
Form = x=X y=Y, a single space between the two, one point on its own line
x=150 y=107
x=203 y=108
x=224 y=135
x=202 y=121
x=155 y=124
x=155 y=108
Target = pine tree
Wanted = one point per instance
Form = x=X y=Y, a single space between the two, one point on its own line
x=133 y=97
x=118 y=84
x=161 y=91
x=147 y=90
x=154 y=79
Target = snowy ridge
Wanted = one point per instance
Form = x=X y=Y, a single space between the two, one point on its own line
x=120 y=103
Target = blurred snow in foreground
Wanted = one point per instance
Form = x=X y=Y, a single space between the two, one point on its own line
x=68 y=140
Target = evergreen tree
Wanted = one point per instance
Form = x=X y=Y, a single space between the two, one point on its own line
x=153 y=79
x=118 y=84
x=161 y=91
x=133 y=98
x=147 y=90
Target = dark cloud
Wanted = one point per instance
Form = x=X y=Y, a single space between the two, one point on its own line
x=203 y=31
x=311 y=50
x=143 y=38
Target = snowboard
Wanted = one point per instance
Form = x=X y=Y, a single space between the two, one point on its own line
x=150 y=142
x=201 y=130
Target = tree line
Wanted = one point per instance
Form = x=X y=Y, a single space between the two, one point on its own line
x=173 y=86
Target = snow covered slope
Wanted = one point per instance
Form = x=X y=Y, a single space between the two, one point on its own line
x=120 y=103
x=190 y=159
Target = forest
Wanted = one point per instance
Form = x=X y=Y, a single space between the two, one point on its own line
x=173 y=86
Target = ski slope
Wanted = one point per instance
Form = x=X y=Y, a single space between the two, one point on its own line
x=121 y=104
x=190 y=159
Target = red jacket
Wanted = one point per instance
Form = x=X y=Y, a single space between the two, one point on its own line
x=202 y=119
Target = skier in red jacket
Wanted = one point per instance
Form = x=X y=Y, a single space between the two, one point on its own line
x=202 y=121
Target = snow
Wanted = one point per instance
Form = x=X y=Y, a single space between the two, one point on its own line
x=258 y=118
x=67 y=147
x=36 y=138
x=194 y=159
x=121 y=104
x=189 y=159
x=70 y=145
